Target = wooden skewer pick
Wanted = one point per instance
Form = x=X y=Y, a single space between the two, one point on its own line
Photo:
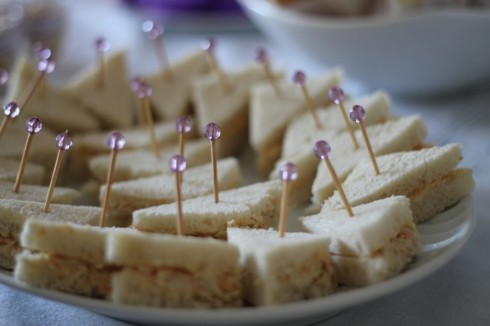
x=155 y=32
x=115 y=142
x=10 y=111
x=183 y=126
x=336 y=94
x=45 y=66
x=177 y=165
x=213 y=132
x=299 y=78
x=33 y=126
x=358 y=114
x=287 y=173
x=262 y=57
x=101 y=47
x=144 y=92
x=134 y=84
x=42 y=52
x=63 y=142
x=322 y=151
x=209 y=45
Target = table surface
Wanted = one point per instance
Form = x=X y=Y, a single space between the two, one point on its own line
x=457 y=294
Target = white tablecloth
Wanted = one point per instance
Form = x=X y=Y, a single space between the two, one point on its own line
x=457 y=294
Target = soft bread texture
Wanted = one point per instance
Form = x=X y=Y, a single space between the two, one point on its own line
x=56 y=110
x=37 y=193
x=33 y=173
x=401 y=174
x=172 y=271
x=135 y=164
x=374 y=244
x=8 y=249
x=112 y=103
x=392 y=136
x=278 y=270
x=128 y=196
x=270 y=114
x=254 y=206
x=171 y=96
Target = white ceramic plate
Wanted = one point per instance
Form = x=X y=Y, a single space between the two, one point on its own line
x=441 y=239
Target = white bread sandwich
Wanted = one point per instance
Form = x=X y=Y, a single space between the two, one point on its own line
x=128 y=196
x=428 y=177
x=226 y=107
x=163 y=270
x=61 y=195
x=56 y=110
x=278 y=270
x=254 y=206
x=66 y=257
x=391 y=136
x=140 y=163
x=407 y=133
x=14 y=213
x=172 y=95
x=270 y=114
x=377 y=243
x=111 y=103
x=33 y=173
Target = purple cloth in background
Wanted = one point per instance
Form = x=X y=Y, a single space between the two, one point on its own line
x=183 y=6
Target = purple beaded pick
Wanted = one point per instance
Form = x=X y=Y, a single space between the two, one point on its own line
x=116 y=141
x=212 y=131
x=11 y=110
x=41 y=51
x=261 y=55
x=102 y=45
x=208 y=45
x=34 y=125
x=134 y=83
x=321 y=149
x=336 y=94
x=46 y=66
x=4 y=76
x=357 y=114
x=177 y=163
x=152 y=29
x=288 y=172
x=64 y=141
x=144 y=90
x=183 y=124
x=299 y=78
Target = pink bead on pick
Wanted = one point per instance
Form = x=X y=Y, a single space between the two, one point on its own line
x=288 y=172
x=261 y=55
x=63 y=141
x=34 y=125
x=183 y=124
x=152 y=29
x=135 y=83
x=321 y=149
x=208 y=45
x=116 y=141
x=299 y=78
x=357 y=114
x=212 y=131
x=336 y=94
x=46 y=66
x=41 y=51
x=4 y=76
x=102 y=45
x=177 y=163
x=11 y=110
x=144 y=90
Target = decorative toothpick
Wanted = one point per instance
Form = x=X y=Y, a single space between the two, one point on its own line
x=209 y=45
x=45 y=66
x=101 y=47
x=144 y=92
x=33 y=126
x=154 y=32
x=134 y=84
x=213 y=132
x=63 y=142
x=42 y=52
x=177 y=165
x=322 y=151
x=299 y=78
x=183 y=126
x=115 y=142
x=10 y=111
x=287 y=173
x=358 y=114
x=336 y=94
x=262 y=57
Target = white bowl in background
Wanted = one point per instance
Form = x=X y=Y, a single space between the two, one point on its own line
x=423 y=52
